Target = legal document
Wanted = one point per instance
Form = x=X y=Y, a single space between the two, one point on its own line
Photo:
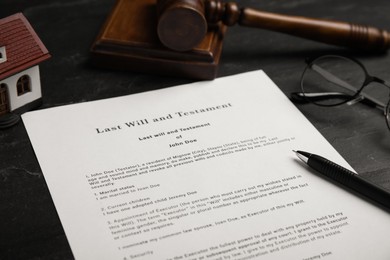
x=199 y=171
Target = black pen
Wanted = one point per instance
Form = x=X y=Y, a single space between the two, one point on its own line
x=346 y=177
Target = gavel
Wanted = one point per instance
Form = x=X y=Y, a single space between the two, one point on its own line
x=182 y=25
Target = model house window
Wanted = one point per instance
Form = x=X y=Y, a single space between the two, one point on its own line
x=3 y=56
x=24 y=85
x=4 y=106
x=3 y=94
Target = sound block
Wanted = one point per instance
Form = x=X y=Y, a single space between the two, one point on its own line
x=128 y=41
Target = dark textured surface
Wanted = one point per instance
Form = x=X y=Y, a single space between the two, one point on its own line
x=30 y=227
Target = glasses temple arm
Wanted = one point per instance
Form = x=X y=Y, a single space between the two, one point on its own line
x=336 y=80
x=332 y=78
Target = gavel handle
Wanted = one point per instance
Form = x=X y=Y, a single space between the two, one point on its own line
x=326 y=31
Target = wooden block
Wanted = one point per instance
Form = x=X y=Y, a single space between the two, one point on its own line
x=128 y=40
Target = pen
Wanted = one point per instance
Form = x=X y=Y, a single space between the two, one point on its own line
x=346 y=177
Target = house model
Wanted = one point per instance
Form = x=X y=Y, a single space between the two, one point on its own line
x=21 y=52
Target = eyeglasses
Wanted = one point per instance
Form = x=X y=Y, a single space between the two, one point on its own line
x=333 y=80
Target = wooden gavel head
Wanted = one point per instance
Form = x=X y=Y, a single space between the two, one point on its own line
x=182 y=25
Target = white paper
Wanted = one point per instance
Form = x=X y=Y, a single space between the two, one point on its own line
x=199 y=171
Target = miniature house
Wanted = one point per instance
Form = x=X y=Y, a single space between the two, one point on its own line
x=21 y=51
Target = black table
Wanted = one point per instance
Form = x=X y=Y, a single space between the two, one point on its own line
x=30 y=227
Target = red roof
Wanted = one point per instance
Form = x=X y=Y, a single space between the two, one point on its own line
x=23 y=47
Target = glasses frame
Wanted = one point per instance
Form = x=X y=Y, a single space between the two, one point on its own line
x=359 y=95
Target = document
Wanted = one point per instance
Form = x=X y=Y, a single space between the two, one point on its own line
x=199 y=171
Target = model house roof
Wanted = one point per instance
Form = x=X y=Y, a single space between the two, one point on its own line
x=20 y=46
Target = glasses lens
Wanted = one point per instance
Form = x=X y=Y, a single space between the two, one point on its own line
x=332 y=80
x=376 y=94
